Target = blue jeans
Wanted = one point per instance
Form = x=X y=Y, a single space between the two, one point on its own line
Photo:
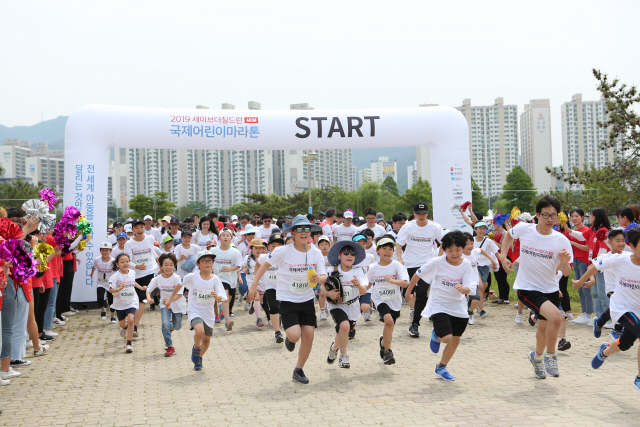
x=20 y=336
x=600 y=298
x=170 y=320
x=586 y=300
x=51 y=306
x=243 y=288
x=9 y=302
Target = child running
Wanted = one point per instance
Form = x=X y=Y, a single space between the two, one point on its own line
x=205 y=290
x=324 y=244
x=123 y=286
x=387 y=277
x=451 y=277
x=485 y=263
x=104 y=265
x=270 y=280
x=183 y=252
x=227 y=263
x=166 y=282
x=249 y=265
x=365 y=300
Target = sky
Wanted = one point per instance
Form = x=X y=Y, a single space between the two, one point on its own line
x=58 y=56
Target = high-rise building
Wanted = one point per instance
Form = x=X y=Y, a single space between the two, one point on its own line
x=412 y=174
x=493 y=140
x=581 y=135
x=535 y=136
x=423 y=156
x=382 y=168
x=33 y=165
x=363 y=176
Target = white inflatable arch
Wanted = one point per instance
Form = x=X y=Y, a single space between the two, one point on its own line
x=93 y=129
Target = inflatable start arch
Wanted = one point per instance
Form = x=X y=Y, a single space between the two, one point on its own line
x=93 y=129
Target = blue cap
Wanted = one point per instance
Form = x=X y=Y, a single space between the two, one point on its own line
x=122 y=234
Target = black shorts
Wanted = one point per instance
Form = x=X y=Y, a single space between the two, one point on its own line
x=383 y=309
x=272 y=302
x=143 y=281
x=226 y=286
x=421 y=286
x=631 y=332
x=340 y=316
x=297 y=313
x=535 y=299
x=444 y=324
x=122 y=314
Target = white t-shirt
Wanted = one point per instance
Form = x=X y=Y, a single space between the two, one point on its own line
x=142 y=253
x=265 y=233
x=177 y=236
x=116 y=251
x=610 y=278
x=350 y=292
x=366 y=262
x=626 y=298
x=180 y=250
x=443 y=277
x=293 y=280
x=250 y=263
x=327 y=230
x=201 y=303
x=103 y=271
x=419 y=242
x=473 y=259
x=270 y=278
x=126 y=298
x=166 y=287
x=229 y=258
x=202 y=240
x=344 y=233
x=489 y=246
x=155 y=233
x=377 y=230
x=383 y=291
x=538 y=258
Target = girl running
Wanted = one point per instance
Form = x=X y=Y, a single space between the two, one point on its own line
x=249 y=265
x=104 y=265
x=270 y=279
x=123 y=286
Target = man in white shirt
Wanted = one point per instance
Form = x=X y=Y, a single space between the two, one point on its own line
x=345 y=231
x=327 y=224
x=148 y=222
x=419 y=236
x=267 y=226
x=370 y=215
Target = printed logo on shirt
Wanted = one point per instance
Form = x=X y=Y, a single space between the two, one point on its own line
x=299 y=268
x=451 y=282
x=419 y=239
x=629 y=283
x=535 y=252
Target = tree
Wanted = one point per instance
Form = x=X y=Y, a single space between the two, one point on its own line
x=14 y=194
x=114 y=213
x=191 y=208
x=518 y=191
x=390 y=185
x=619 y=181
x=420 y=191
x=479 y=203
x=143 y=205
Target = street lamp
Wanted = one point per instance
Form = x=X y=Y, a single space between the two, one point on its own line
x=308 y=157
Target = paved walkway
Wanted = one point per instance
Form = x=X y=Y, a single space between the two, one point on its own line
x=89 y=380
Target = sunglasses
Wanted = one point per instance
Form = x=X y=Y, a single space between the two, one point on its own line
x=351 y=252
x=303 y=229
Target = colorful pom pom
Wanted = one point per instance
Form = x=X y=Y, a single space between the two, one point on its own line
x=10 y=230
x=515 y=212
x=49 y=197
x=562 y=218
x=602 y=233
x=500 y=219
x=515 y=222
x=39 y=209
x=41 y=252
x=465 y=206
x=22 y=262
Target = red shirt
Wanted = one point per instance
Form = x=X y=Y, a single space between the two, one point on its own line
x=595 y=245
x=55 y=265
x=514 y=249
x=578 y=253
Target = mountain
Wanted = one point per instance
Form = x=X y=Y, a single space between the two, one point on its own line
x=50 y=131
x=404 y=156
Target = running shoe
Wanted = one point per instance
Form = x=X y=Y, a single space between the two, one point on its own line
x=103 y=316
x=129 y=349
x=352 y=334
x=198 y=366
x=332 y=354
x=45 y=337
x=583 y=319
x=123 y=332
x=538 y=366
x=41 y=352
x=229 y=324
x=113 y=320
x=381 y=348
x=135 y=332
x=195 y=355
x=413 y=331
x=299 y=376
x=551 y=365
x=343 y=362
x=519 y=318
x=599 y=358
x=367 y=316
x=217 y=319
x=597 y=330
x=259 y=322
x=290 y=345
x=10 y=374
x=636 y=383
x=564 y=344
x=323 y=314
x=170 y=351
x=444 y=374
x=279 y=338
x=19 y=363
x=471 y=319
x=483 y=314
x=434 y=344
x=388 y=358
x=568 y=316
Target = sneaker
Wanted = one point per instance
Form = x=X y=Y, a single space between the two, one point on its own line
x=251 y=309
x=45 y=337
x=413 y=331
x=103 y=316
x=568 y=316
x=352 y=334
x=299 y=376
x=564 y=344
x=434 y=344
x=246 y=306
x=471 y=319
x=332 y=354
x=519 y=318
x=10 y=374
x=381 y=348
x=388 y=358
x=323 y=314
x=269 y=322
x=411 y=311
x=538 y=366
x=608 y=325
x=615 y=334
x=483 y=314
x=551 y=365
x=195 y=355
x=170 y=351
x=290 y=345
x=599 y=358
x=198 y=366
x=279 y=337
x=597 y=330
x=4 y=382
x=129 y=349
x=229 y=324
x=367 y=316
x=232 y=315
x=113 y=320
x=533 y=318
x=135 y=332
x=152 y=307
x=259 y=322
x=444 y=374
x=636 y=383
x=74 y=310
x=60 y=319
x=29 y=344
x=69 y=314
x=19 y=363
x=123 y=332
x=217 y=319
x=583 y=319
x=343 y=362
x=51 y=333
x=589 y=321
x=515 y=305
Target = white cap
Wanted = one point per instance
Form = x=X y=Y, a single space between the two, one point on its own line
x=348 y=214
x=105 y=245
x=234 y=217
x=146 y=217
x=128 y=229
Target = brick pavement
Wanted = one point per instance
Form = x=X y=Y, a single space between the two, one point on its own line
x=89 y=380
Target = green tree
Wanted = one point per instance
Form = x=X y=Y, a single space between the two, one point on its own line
x=14 y=194
x=142 y=205
x=518 y=191
x=390 y=185
x=420 y=191
x=478 y=200
x=114 y=213
x=191 y=208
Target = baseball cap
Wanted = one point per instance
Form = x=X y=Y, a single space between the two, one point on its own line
x=167 y=239
x=146 y=217
x=480 y=224
x=105 y=245
x=348 y=214
x=256 y=243
x=379 y=216
x=187 y=233
x=128 y=228
x=117 y=224
x=205 y=253
x=276 y=237
x=234 y=217
x=129 y=221
x=122 y=235
x=324 y=239
x=420 y=207
x=174 y=221
x=137 y=221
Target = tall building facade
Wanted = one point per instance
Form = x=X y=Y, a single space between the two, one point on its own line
x=581 y=135
x=412 y=174
x=40 y=164
x=364 y=175
x=382 y=168
x=535 y=136
x=493 y=140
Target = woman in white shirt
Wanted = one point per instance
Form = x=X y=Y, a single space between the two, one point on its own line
x=207 y=231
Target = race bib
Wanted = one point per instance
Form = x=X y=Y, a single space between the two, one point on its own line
x=386 y=292
x=204 y=297
x=349 y=293
x=103 y=280
x=142 y=259
x=127 y=294
x=299 y=285
x=272 y=277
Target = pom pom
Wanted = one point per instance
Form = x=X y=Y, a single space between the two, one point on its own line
x=515 y=222
x=48 y=197
x=562 y=218
x=465 y=206
x=41 y=252
x=515 y=212
x=500 y=219
x=455 y=206
x=491 y=236
x=10 y=230
x=84 y=227
x=602 y=233
x=555 y=228
x=22 y=262
x=39 y=209
x=65 y=228
x=627 y=228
